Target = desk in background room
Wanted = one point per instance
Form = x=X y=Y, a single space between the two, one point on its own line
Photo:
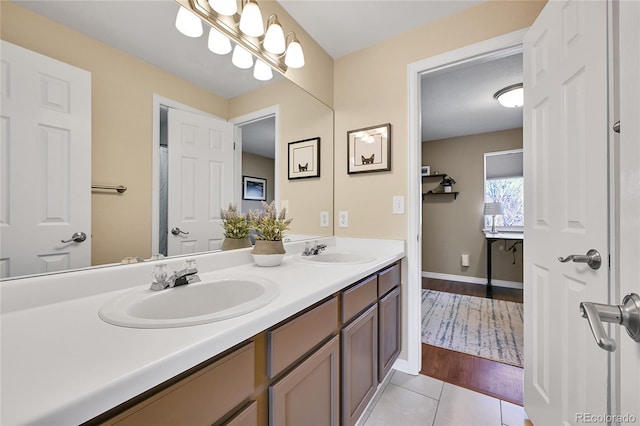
x=491 y=238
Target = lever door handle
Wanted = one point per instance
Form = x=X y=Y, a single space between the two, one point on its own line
x=592 y=258
x=627 y=314
x=178 y=231
x=77 y=237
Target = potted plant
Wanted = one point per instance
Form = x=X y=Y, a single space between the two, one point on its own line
x=236 y=228
x=269 y=227
x=446 y=183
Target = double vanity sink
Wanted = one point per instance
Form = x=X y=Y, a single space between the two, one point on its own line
x=217 y=298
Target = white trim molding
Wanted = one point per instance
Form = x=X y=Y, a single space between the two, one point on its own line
x=472 y=280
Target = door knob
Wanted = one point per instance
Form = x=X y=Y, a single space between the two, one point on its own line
x=178 y=231
x=592 y=258
x=627 y=314
x=77 y=237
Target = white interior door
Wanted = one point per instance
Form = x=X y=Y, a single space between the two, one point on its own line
x=46 y=123
x=629 y=238
x=566 y=202
x=200 y=180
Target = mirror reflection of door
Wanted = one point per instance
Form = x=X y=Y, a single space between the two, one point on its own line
x=45 y=164
x=196 y=180
x=258 y=157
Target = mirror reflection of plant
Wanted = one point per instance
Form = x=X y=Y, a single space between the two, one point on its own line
x=235 y=224
x=268 y=224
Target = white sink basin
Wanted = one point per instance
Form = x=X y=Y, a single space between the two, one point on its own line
x=198 y=303
x=333 y=258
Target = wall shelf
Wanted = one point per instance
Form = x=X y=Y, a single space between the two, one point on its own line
x=439 y=175
x=425 y=194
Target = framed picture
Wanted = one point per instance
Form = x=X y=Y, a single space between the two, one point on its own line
x=254 y=188
x=425 y=170
x=369 y=149
x=304 y=159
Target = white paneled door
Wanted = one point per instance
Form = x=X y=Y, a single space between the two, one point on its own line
x=566 y=198
x=200 y=181
x=45 y=164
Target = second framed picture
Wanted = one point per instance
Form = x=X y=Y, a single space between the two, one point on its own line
x=369 y=149
x=254 y=188
x=304 y=159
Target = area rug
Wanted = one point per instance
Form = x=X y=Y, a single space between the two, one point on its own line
x=487 y=328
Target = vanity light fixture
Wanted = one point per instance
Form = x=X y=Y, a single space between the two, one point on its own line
x=188 y=23
x=251 y=19
x=218 y=43
x=511 y=96
x=224 y=7
x=246 y=30
x=262 y=71
x=274 y=41
x=241 y=58
x=294 y=57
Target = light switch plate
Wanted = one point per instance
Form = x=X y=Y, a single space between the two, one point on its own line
x=398 y=204
x=324 y=219
x=343 y=219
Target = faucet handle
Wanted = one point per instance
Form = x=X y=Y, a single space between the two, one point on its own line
x=160 y=273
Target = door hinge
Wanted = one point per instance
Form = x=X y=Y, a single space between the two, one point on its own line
x=609 y=261
x=234 y=146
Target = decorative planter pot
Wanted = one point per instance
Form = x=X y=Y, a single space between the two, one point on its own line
x=447 y=188
x=235 y=243
x=268 y=253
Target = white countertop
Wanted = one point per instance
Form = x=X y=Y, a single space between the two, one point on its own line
x=61 y=364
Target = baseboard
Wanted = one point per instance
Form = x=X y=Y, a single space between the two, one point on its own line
x=472 y=280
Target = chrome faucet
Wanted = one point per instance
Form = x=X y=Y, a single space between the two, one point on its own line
x=162 y=279
x=313 y=249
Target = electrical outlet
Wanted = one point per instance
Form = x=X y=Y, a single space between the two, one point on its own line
x=343 y=219
x=398 y=204
x=324 y=219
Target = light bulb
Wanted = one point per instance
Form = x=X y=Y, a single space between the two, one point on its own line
x=262 y=71
x=218 y=42
x=242 y=58
x=251 y=20
x=224 y=7
x=274 y=38
x=188 y=23
x=294 y=57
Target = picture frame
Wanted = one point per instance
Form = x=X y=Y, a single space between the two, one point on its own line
x=304 y=159
x=254 y=188
x=425 y=170
x=369 y=149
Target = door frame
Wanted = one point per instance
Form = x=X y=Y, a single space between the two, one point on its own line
x=159 y=100
x=503 y=45
x=270 y=111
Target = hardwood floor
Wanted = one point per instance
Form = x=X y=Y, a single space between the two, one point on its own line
x=493 y=378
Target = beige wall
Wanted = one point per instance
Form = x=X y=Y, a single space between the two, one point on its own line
x=452 y=227
x=301 y=117
x=122 y=91
x=260 y=167
x=371 y=89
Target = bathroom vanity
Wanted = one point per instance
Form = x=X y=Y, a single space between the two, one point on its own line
x=319 y=350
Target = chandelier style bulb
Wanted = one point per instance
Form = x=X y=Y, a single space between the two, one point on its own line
x=251 y=19
x=262 y=71
x=218 y=43
x=224 y=7
x=242 y=58
x=188 y=23
x=294 y=57
x=274 y=38
x=511 y=96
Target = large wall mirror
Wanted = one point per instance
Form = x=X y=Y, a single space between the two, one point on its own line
x=136 y=60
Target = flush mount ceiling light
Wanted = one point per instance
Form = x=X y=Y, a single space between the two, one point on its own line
x=511 y=96
x=246 y=29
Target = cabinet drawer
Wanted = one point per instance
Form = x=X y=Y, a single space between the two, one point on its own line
x=290 y=341
x=201 y=398
x=388 y=279
x=357 y=298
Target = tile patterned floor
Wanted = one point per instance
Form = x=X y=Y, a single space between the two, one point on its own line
x=404 y=400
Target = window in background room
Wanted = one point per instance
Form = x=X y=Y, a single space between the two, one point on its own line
x=504 y=184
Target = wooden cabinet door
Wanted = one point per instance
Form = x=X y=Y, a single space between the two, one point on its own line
x=389 y=342
x=359 y=364
x=310 y=393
